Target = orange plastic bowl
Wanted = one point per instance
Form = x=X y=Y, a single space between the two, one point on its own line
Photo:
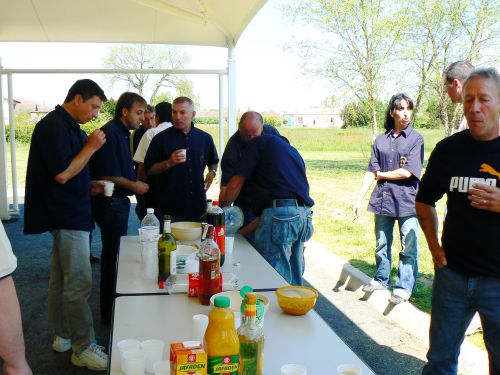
x=296 y=300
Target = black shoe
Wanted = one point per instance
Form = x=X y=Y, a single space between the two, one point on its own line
x=94 y=259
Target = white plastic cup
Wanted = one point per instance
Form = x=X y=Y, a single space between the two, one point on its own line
x=229 y=244
x=348 y=369
x=108 y=188
x=183 y=152
x=135 y=362
x=293 y=369
x=198 y=327
x=153 y=351
x=162 y=368
x=124 y=345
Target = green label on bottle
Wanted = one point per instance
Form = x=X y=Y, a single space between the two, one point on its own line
x=225 y=365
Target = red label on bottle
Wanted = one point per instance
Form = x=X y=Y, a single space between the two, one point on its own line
x=220 y=238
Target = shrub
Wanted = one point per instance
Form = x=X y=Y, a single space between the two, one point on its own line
x=275 y=121
x=358 y=114
x=206 y=120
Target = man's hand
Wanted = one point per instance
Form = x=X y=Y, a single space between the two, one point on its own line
x=97 y=187
x=178 y=157
x=140 y=187
x=485 y=197
x=96 y=140
x=209 y=178
x=356 y=210
x=438 y=257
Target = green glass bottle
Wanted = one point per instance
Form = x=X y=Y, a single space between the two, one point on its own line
x=166 y=244
x=251 y=337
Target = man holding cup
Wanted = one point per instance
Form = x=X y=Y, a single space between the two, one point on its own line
x=178 y=157
x=57 y=200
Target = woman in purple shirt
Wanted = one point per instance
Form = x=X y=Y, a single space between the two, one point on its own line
x=396 y=163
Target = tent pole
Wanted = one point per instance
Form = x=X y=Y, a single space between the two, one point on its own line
x=13 y=163
x=221 y=115
x=231 y=92
x=4 y=203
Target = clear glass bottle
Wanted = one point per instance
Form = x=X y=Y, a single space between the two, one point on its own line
x=166 y=244
x=251 y=337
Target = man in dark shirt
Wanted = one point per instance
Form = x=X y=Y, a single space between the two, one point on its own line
x=467 y=262
x=250 y=126
x=178 y=157
x=149 y=122
x=285 y=216
x=113 y=162
x=57 y=199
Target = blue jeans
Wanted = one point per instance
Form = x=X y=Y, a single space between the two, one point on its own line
x=455 y=300
x=70 y=285
x=408 y=257
x=111 y=214
x=280 y=239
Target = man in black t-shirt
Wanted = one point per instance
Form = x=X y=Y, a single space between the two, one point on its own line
x=466 y=167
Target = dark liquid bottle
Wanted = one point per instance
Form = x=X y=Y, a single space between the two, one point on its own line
x=217 y=218
x=209 y=266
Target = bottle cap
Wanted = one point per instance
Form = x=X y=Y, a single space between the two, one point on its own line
x=167 y=217
x=150 y=210
x=215 y=203
x=222 y=301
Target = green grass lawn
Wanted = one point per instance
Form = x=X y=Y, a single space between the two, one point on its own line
x=336 y=161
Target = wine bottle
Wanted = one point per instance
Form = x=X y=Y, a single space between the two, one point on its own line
x=166 y=244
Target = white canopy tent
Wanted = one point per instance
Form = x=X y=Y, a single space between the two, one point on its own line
x=217 y=23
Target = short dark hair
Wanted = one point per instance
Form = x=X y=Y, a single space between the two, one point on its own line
x=248 y=113
x=87 y=89
x=458 y=70
x=127 y=100
x=164 y=112
x=488 y=73
x=184 y=99
x=150 y=109
x=393 y=103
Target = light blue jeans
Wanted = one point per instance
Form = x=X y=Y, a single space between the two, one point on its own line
x=408 y=257
x=280 y=239
x=69 y=288
x=455 y=300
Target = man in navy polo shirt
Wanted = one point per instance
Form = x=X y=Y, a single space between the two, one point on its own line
x=285 y=214
x=250 y=126
x=113 y=162
x=57 y=199
x=178 y=157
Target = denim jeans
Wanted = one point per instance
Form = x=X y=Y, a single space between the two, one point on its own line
x=455 y=300
x=111 y=214
x=280 y=239
x=69 y=288
x=408 y=257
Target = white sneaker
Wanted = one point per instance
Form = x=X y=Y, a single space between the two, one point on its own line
x=60 y=344
x=92 y=357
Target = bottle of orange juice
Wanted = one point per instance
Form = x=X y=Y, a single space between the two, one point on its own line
x=221 y=340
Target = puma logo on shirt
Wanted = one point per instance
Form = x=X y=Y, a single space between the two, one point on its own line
x=463 y=184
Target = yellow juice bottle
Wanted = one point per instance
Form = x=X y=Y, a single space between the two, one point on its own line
x=221 y=340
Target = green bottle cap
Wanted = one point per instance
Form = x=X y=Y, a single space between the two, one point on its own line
x=244 y=290
x=222 y=301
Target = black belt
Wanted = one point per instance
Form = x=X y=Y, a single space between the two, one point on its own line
x=286 y=203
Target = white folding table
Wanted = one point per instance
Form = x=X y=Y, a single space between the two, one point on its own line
x=244 y=261
x=306 y=339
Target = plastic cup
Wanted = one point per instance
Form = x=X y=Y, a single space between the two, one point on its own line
x=229 y=244
x=124 y=345
x=183 y=152
x=153 y=351
x=198 y=327
x=135 y=362
x=348 y=369
x=293 y=369
x=108 y=188
x=162 y=368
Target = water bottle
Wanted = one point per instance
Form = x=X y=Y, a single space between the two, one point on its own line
x=234 y=219
x=149 y=234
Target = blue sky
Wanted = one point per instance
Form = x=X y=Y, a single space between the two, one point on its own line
x=268 y=77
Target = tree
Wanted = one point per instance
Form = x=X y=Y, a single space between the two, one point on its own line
x=359 y=37
x=440 y=33
x=143 y=56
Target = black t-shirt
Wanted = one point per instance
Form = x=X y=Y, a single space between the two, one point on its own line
x=469 y=234
x=56 y=140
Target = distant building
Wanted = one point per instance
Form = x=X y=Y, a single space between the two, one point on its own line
x=318 y=120
x=33 y=109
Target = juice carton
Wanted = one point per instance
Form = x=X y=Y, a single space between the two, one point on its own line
x=188 y=358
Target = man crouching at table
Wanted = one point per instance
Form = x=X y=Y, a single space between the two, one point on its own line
x=285 y=211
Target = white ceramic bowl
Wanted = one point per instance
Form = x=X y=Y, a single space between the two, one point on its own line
x=186 y=230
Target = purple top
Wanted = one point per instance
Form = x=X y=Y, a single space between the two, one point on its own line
x=396 y=198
